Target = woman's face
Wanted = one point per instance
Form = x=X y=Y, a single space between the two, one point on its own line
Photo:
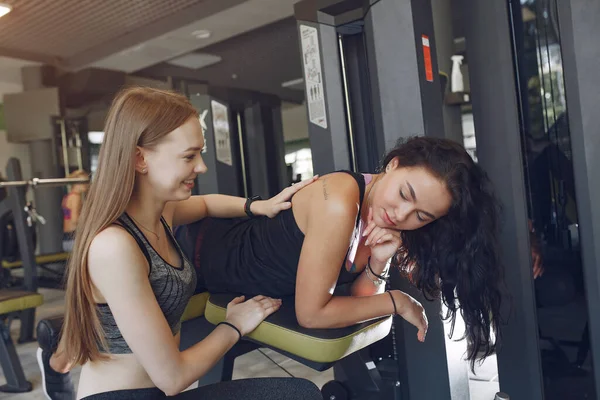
x=408 y=198
x=172 y=166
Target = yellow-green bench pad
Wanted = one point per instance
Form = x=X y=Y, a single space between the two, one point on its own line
x=195 y=307
x=18 y=300
x=282 y=331
x=39 y=260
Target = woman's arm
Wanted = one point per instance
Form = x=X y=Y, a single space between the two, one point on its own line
x=366 y=284
x=330 y=224
x=75 y=203
x=383 y=243
x=142 y=323
x=222 y=206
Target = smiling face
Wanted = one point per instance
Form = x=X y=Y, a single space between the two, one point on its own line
x=407 y=198
x=176 y=161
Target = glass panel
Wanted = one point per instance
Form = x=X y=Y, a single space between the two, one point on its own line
x=552 y=208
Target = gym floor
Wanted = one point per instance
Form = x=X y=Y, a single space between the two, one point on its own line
x=259 y=363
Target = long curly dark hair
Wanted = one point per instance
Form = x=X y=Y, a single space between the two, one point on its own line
x=456 y=256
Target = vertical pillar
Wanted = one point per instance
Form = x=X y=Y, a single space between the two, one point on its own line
x=219 y=132
x=327 y=127
x=407 y=101
x=495 y=112
x=579 y=29
x=16 y=200
x=442 y=21
x=44 y=165
x=265 y=156
x=405 y=84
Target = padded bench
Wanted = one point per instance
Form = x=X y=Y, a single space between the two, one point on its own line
x=41 y=259
x=12 y=302
x=321 y=347
x=316 y=348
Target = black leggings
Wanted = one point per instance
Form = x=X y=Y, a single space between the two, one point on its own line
x=243 y=389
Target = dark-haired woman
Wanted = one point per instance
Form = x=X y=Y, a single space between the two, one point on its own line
x=430 y=212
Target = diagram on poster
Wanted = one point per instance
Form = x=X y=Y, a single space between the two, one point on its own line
x=313 y=77
x=221 y=131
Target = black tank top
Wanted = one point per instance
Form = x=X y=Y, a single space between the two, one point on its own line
x=251 y=256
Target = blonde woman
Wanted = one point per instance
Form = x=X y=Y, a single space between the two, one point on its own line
x=128 y=280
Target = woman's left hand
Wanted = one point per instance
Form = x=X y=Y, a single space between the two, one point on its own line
x=384 y=242
x=280 y=202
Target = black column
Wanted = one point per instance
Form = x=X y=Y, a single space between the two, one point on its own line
x=495 y=112
x=407 y=101
x=221 y=157
x=327 y=127
x=403 y=92
x=580 y=29
x=262 y=133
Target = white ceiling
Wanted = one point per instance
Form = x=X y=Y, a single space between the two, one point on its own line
x=127 y=51
x=10 y=70
x=223 y=25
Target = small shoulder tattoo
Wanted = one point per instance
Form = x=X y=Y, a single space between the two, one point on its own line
x=325 y=193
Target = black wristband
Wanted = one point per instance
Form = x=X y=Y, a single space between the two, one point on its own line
x=249 y=201
x=233 y=326
x=383 y=278
x=393 y=302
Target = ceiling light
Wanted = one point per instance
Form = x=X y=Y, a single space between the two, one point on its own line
x=293 y=83
x=201 y=34
x=4 y=9
x=195 y=60
x=95 y=137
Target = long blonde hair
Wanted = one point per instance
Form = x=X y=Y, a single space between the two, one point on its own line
x=138 y=117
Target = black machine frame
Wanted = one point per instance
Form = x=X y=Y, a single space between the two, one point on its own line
x=376 y=89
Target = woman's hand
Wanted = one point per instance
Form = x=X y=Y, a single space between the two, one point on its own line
x=280 y=202
x=384 y=242
x=412 y=311
x=247 y=315
x=536 y=252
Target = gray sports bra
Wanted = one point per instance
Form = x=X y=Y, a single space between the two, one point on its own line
x=172 y=286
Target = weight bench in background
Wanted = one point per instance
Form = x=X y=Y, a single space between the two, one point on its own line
x=12 y=304
x=41 y=261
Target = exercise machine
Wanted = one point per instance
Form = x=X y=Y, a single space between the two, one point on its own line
x=371 y=77
x=23 y=218
x=20 y=301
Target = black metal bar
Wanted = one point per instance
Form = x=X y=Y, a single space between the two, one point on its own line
x=11 y=365
x=16 y=199
x=45 y=182
x=495 y=112
x=579 y=30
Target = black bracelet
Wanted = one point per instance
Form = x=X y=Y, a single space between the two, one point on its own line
x=249 y=201
x=393 y=302
x=383 y=278
x=233 y=326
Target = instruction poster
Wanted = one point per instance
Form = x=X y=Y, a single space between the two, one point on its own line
x=313 y=77
x=221 y=130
